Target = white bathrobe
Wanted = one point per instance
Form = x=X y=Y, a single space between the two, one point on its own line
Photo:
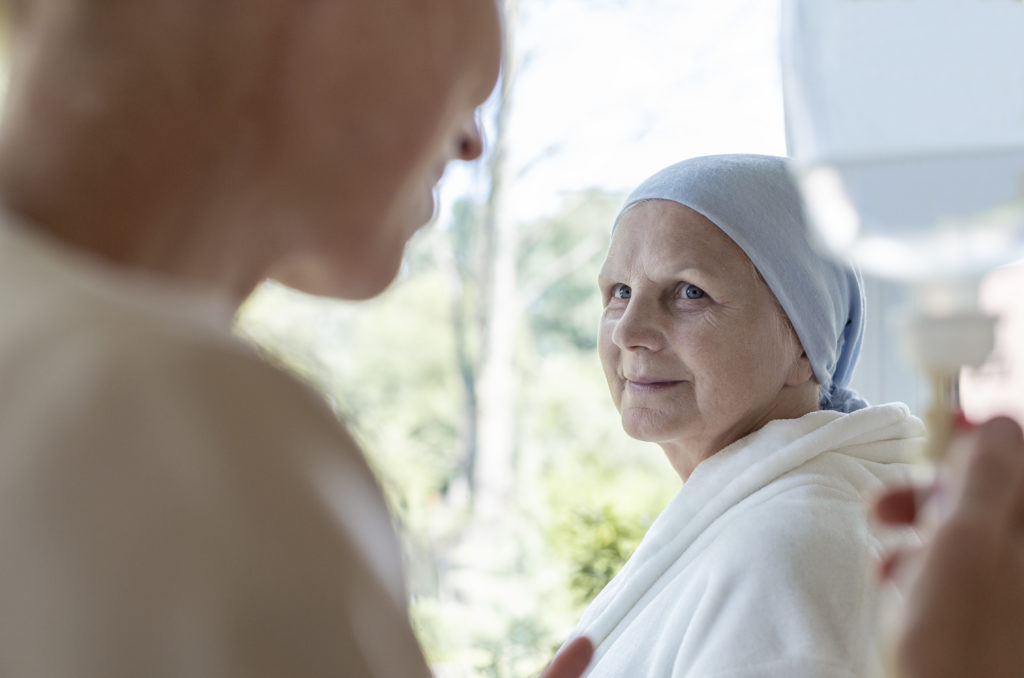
x=762 y=565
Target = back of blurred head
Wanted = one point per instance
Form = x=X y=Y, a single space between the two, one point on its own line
x=223 y=142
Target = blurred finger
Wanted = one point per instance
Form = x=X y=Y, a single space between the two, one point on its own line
x=572 y=661
x=989 y=465
x=888 y=566
x=899 y=506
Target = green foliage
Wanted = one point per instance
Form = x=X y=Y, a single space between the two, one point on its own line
x=563 y=313
x=596 y=542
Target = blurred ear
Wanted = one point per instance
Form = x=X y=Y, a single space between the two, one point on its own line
x=801 y=372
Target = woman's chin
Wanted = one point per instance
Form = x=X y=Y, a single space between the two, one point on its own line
x=646 y=426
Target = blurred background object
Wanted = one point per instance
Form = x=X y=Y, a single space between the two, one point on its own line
x=906 y=129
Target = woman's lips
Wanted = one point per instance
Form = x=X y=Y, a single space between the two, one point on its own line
x=649 y=385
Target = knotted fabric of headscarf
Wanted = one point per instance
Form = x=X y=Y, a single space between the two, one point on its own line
x=753 y=200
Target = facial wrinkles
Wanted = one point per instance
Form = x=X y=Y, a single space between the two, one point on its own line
x=731 y=350
x=724 y=420
x=732 y=307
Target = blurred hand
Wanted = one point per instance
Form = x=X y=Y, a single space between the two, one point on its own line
x=572 y=661
x=964 y=614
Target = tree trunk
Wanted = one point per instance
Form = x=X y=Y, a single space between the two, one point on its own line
x=494 y=469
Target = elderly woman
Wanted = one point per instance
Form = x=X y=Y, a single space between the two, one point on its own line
x=729 y=341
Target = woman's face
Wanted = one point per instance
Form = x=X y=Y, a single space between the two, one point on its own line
x=694 y=345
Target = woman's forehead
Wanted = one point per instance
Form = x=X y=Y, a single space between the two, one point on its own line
x=666 y=234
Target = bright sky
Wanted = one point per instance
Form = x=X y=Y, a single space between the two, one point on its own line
x=617 y=89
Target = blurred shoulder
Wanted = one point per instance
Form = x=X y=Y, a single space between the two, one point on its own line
x=168 y=493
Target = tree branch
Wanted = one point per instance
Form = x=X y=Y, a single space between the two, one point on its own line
x=573 y=259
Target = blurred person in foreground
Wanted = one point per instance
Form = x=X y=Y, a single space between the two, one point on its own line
x=729 y=341
x=170 y=504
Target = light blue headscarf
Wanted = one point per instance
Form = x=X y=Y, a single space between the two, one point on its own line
x=753 y=199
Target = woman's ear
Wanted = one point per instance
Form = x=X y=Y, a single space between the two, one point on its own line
x=801 y=372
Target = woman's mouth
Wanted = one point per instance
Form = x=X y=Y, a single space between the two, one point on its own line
x=649 y=385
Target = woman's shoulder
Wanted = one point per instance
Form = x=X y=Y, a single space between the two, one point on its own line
x=795 y=510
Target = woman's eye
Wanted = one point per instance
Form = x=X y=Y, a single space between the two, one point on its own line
x=621 y=292
x=692 y=292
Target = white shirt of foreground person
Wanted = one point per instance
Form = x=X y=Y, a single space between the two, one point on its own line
x=762 y=564
x=171 y=505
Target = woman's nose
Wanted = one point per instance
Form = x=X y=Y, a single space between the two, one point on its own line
x=638 y=328
x=470 y=140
